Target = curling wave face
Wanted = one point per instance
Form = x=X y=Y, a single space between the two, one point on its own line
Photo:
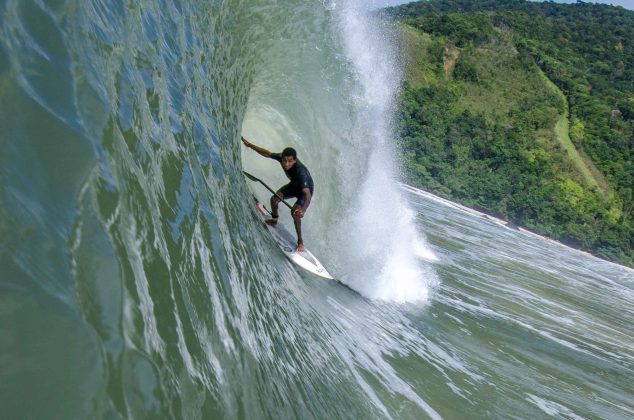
x=137 y=282
x=131 y=250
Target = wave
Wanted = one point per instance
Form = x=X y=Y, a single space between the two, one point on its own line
x=128 y=231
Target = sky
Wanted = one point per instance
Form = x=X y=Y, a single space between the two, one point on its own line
x=628 y=4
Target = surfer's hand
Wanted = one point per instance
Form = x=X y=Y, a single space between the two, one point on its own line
x=246 y=143
x=299 y=213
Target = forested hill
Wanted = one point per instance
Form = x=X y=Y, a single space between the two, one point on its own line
x=525 y=110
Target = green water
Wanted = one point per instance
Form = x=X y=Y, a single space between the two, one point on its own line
x=137 y=282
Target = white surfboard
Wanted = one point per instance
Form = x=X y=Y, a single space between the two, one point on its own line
x=286 y=241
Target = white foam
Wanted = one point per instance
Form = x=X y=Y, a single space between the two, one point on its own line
x=385 y=249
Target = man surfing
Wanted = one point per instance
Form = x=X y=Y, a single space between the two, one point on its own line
x=301 y=187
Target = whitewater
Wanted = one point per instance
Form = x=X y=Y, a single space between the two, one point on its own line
x=136 y=280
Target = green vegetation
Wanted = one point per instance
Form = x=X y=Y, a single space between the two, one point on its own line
x=526 y=111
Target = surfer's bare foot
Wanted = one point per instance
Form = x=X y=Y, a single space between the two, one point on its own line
x=300 y=248
x=271 y=222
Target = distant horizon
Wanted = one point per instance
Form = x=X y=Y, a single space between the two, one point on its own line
x=627 y=4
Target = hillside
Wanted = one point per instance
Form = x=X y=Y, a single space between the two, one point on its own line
x=526 y=111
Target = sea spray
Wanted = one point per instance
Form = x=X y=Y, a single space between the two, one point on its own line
x=137 y=282
x=384 y=246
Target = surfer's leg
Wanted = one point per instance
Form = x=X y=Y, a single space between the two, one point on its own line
x=297 y=220
x=298 y=228
x=275 y=201
x=276 y=198
x=282 y=194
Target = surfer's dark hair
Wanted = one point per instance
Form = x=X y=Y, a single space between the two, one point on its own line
x=289 y=151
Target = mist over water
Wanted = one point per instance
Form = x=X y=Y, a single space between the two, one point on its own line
x=137 y=281
x=389 y=244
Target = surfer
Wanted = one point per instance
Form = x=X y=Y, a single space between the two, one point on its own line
x=301 y=187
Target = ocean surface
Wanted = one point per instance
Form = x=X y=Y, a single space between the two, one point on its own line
x=137 y=282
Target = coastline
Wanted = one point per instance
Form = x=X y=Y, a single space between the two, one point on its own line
x=504 y=223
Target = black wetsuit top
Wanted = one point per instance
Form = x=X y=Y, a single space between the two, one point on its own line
x=299 y=176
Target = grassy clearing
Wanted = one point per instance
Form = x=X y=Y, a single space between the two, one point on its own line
x=586 y=168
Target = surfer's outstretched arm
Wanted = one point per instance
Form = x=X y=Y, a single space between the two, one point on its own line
x=260 y=150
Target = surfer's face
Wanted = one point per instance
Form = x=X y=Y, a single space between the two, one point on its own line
x=288 y=162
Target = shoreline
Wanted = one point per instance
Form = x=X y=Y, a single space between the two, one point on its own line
x=505 y=224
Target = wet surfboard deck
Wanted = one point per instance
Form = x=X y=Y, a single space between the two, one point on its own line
x=287 y=243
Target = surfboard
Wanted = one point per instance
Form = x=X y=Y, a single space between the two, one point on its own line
x=286 y=241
